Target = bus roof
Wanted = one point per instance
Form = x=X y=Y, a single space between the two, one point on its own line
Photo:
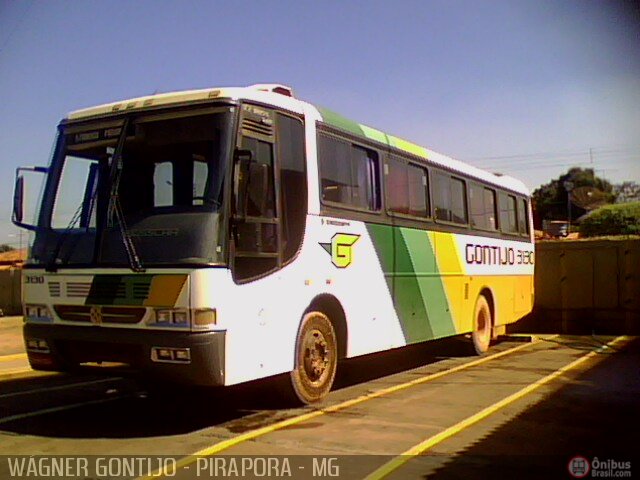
x=282 y=96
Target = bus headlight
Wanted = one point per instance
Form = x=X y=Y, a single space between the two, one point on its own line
x=37 y=345
x=37 y=313
x=198 y=318
x=181 y=318
x=173 y=317
x=163 y=316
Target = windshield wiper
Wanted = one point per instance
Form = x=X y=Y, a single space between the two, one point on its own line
x=114 y=209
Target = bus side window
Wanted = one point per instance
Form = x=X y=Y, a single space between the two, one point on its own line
x=490 y=209
x=408 y=188
x=507 y=204
x=348 y=174
x=482 y=202
x=458 y=201
x=523 y=221
x=293 y=183
x=260 y=179
x=442 y=197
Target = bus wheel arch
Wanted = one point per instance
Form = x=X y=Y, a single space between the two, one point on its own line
x=483 y=321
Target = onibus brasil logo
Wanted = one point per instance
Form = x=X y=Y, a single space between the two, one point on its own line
x=341 y=249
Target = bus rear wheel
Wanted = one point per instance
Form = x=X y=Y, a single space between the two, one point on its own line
x=316 y=358
x=482 y=329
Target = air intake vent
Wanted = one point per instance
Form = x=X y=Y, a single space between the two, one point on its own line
x=78 y=289
x=256 y=126
x=54 y=289
x=141 y=290
x=109 y=288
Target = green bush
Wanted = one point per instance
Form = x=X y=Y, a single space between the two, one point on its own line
x=621 y=219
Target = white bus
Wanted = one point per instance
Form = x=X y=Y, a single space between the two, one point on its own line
x=218 y=236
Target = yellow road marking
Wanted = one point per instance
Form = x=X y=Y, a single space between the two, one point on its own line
x=13 y=371
x=225 y=444
x=18 y=373
x=15 y=356
x=430 y=442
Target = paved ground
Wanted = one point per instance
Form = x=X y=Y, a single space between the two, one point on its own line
x=436 y=399
x=11 y=335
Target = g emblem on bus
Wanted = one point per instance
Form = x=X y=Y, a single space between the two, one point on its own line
x=95 y=315
x=341 y=249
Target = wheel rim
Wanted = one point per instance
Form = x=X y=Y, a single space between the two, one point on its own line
x=316 y=357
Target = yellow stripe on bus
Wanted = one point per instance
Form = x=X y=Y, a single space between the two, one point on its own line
x=165 y=290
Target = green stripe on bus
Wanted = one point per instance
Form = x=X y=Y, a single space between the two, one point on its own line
x=374 y=134
x=408 y=262
x=336 y=120
x=407 y=146
x=425 y=269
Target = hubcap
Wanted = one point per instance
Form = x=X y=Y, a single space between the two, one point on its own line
x=316 y=355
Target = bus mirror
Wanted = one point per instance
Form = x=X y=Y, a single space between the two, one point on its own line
x=242 y=161
x=18 y=214
x=18 y=200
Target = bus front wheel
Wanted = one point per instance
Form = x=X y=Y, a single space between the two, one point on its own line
x=316 y=358
x=481 y=335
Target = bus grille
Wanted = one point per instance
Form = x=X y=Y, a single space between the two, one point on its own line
x=114 y=315
x=107 y=290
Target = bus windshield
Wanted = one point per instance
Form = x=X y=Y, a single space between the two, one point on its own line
x=153 y=183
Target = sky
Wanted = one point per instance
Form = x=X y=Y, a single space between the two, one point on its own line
x=525 y=88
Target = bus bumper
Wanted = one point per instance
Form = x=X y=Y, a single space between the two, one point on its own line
x=143 y=350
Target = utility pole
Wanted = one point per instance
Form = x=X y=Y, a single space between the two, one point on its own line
x=568 y=186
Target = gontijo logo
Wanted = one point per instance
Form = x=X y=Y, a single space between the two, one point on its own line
x=341 y=249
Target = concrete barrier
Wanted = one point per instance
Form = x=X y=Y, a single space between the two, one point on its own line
x=586 y=286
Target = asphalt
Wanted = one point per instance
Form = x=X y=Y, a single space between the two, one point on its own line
x=589 y=411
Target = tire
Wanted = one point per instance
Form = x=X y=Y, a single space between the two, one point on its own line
x=316 y=358
x=482 y=326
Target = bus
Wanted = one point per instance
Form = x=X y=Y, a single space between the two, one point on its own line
x=213 y=237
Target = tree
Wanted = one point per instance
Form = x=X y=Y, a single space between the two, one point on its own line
x=6 y=248
x=550 y=200
x=619 y=219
